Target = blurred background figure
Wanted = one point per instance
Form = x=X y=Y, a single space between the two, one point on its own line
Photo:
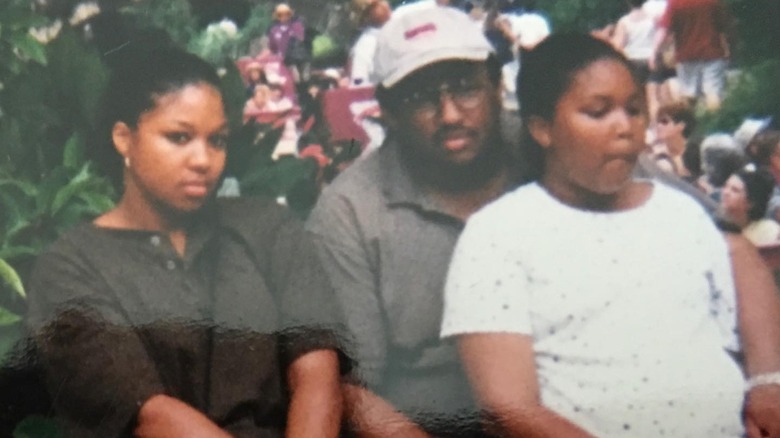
x=371 y=15
x=701 y=30
x=255 y=76
x=286 y=38
x=765 y=151
x=675 y=124
x=744 y=200
x=634 y=35
x=720 y=158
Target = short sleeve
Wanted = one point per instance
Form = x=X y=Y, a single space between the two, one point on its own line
x=487 y=288
x=310 y=316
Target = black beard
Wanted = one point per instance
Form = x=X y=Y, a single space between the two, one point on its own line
x=455 y=177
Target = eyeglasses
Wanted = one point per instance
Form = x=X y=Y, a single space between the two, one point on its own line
x=466 y=93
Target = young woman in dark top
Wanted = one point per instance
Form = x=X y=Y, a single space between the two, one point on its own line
x=175 y=313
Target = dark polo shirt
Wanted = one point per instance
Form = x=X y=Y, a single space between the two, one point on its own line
x=119 y=316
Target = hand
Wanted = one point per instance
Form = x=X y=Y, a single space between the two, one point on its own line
x=163 y=416
x=762 y=412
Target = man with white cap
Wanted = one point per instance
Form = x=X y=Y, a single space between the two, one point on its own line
x=387 y=226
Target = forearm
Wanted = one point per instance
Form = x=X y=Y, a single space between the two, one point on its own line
x=162 y=416
x=370 y=416
x=758 y=306
x=316 y=402
x=532 y=422
x=658 y=40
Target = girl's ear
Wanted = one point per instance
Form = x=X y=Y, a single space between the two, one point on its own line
x=122 y=136
x=539 y=129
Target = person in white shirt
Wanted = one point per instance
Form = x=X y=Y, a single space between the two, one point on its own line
x=589 y=303
x=372 y=16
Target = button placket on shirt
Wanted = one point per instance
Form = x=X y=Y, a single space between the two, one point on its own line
x=169 y=263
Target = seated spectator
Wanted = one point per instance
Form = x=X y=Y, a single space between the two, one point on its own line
x=720 y=158
x=675 y=123
x=257 y=105
x=764 y=150
x=255 y=76
x=744 y=201
x=277 y=101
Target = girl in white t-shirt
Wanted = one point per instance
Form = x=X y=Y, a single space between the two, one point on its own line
x=590 y=303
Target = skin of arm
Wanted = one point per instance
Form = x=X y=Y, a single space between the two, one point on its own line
x=163 y=416
x=501 y=369
x=315 y=399
x=660 y=36
x=758 y=305
x=619 y=37
x=372 y=417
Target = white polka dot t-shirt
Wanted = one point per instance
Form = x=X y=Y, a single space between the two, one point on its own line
x=630 y=312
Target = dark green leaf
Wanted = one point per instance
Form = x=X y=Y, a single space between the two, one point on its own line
x=70 y=189
x=73 y=155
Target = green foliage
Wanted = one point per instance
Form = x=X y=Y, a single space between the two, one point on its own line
x=46 y=183
x=757 y=36
x=175 y=16
x=255 y=26
x=18 y=48
x=324 y=46
x=756 y=94
x=582 y=15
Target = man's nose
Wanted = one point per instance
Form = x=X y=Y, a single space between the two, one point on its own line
x=449 y=110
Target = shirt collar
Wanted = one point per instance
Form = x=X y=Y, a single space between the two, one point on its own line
x=398 y=185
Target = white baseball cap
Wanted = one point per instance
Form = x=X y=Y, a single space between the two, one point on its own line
x=414 y=40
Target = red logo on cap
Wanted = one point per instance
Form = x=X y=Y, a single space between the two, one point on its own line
x=411 y=33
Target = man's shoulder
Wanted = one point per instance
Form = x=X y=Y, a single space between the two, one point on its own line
x=363 y=178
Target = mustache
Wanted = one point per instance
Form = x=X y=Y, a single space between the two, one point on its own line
x=449 y=131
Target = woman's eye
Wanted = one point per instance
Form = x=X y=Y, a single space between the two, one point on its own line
x=178 y=137
x=596 y=113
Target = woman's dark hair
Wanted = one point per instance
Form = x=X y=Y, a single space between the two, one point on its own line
x=546 y=75
x=759 y=185
x=138 y=79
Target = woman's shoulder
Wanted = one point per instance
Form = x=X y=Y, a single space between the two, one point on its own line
x=78 y=239
x=511 y=206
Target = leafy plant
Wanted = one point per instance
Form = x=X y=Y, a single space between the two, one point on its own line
x=175 y=16
x=755 y=94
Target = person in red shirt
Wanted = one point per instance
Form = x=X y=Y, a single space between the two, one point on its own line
x=700 y=29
